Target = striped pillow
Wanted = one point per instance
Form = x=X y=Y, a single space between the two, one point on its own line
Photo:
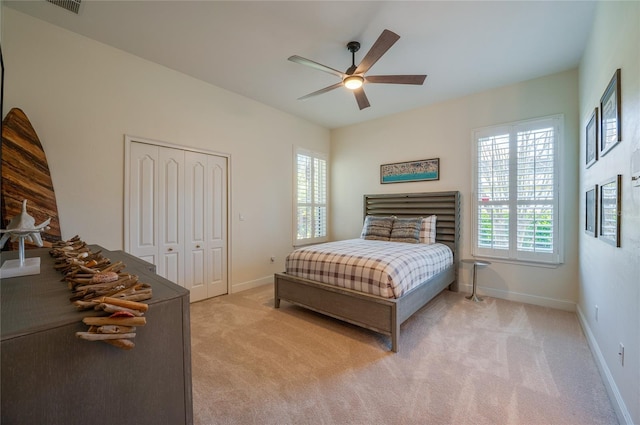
x=428 y=229
x=406 y=230
x=377 y=228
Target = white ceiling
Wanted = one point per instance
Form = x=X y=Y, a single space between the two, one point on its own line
x=463 y=46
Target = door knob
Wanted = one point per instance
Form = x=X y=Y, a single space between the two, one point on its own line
x=197 y=246
x=170 y=249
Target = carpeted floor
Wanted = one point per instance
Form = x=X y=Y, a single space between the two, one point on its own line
x=495 y=362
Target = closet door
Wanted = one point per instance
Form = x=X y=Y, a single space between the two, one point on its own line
x=143 y=211
x=156 y=231
x=216 y=230
x=205 y=225
x=177 y=215
x=170 y=211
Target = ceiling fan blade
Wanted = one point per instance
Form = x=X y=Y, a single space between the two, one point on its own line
x=361 y=98
x=316 y=65
x=396 y=79
x=324 y=90
x=379 y=48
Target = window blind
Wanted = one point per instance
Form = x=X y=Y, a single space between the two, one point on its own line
x=516 y=184
x=311 y=197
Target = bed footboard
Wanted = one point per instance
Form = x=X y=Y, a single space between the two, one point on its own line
x=367 y=311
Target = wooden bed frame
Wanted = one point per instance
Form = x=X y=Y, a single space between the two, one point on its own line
x=379 y=314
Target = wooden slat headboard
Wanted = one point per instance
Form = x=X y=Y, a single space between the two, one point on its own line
x=445 y=205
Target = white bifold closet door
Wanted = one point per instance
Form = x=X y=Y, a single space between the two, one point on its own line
x=205 y=224
x=177 y=216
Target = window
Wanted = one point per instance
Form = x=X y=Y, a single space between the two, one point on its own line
x=516 y=196
x=310 y=197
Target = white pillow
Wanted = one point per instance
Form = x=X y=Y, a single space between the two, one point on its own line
x=428 y=229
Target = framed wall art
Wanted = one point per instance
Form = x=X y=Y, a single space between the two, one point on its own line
x=609 y=201
x=591 y=139
x=610 y=112
x=410 y=171
x=591 y=211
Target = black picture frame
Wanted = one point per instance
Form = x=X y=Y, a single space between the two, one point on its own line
x=591 y=212
x=609 y=201
x=591 y=139
x=610 y=115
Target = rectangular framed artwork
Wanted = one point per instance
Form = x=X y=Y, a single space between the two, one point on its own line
x=610 y=112
x=410 y=171
x=591 y=139
x=591 y=211
x=609 y=201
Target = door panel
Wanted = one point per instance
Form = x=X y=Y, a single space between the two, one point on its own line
x=148 y=258
x=146 y=190
x=215 y=259
x=195 y=280
x=170 y=211
x=195 y=206
x=195 y=192
x=217 y=206
x=171 y=199
x=142 y=202
x=217 y=226
x=171 y=267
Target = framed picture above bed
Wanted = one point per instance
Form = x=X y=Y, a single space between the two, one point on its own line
x=410 y=171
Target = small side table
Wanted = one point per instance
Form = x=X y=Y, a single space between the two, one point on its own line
x=476 y=264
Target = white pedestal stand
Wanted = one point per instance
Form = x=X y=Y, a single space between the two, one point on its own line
x=476 y=263
x=22 y=266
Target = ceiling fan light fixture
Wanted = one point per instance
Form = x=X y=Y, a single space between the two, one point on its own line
x=353 y=82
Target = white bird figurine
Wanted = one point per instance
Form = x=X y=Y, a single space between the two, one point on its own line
x=23 y=226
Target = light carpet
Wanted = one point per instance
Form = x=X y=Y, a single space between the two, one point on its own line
x=459 y=362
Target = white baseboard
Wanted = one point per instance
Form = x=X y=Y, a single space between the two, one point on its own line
x=239 y=287
x=523 y=298
x=624 y=417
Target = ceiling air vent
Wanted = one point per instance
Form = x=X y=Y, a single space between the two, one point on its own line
x=70 y=5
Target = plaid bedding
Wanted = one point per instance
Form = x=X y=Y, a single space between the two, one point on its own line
x=386 y=269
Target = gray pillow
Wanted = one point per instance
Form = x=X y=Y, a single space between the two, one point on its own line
x=406 y=230
x=377 y=228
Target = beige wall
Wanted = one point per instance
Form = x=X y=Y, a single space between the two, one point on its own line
x=82 y=97
x=444 y=131
x=610 y=277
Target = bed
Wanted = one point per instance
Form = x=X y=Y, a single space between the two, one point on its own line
x=376 y=312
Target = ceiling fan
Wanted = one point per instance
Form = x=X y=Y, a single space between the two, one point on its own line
x=353 y=78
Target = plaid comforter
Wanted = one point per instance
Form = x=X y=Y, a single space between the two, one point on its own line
x=386 y=269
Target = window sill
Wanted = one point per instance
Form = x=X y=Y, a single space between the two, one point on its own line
x=518 y=262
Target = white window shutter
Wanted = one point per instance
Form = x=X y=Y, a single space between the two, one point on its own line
x=516 y=194
x=311 y=195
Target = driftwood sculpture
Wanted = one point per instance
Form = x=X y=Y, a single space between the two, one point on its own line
x=97 y=284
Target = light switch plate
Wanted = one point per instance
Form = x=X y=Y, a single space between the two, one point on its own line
x=635 y=168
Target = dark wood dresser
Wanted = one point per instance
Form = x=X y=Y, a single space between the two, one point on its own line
x=51 y=377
